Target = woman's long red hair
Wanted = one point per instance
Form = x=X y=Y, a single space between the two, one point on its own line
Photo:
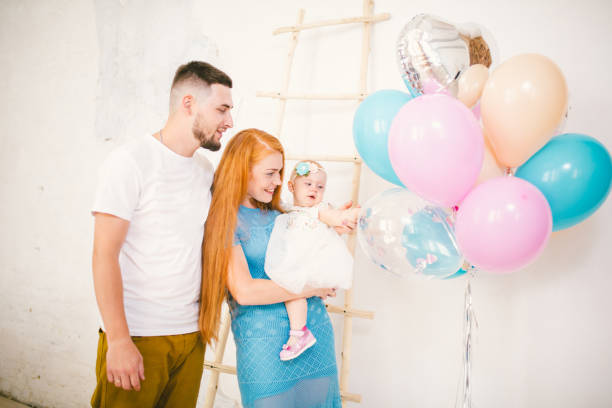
x=228 y=191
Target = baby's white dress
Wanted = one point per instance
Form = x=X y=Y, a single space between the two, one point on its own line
x=304 y=251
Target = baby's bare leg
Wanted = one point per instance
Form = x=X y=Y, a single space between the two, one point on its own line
x=298 y=311
x=300 y=338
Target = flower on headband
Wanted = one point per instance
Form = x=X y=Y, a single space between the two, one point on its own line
x=305 y=168
x=302 y=168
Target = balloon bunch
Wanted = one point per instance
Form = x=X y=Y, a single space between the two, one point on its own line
x=454 y=142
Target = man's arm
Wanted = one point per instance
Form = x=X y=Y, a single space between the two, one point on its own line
x=124 y=365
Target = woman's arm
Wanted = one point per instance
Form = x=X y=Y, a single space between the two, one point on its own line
x=249 y=291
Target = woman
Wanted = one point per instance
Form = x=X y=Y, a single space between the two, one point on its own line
x=245 y=203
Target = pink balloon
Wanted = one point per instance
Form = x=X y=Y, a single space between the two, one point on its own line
x=503 y=224
x=436 y=148
x=431 y=86
x=476 y=111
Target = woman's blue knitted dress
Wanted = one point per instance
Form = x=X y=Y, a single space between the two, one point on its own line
x=310 y=380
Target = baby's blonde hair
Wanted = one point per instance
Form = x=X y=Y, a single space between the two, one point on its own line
x=294 y=173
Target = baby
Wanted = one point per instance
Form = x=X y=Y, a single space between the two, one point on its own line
x=304 y=251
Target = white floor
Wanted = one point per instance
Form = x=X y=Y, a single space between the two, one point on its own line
x=7 y=403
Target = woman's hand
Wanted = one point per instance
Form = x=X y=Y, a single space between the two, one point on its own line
x=323 y=293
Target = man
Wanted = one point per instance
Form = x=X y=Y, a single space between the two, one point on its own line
x=150 y=208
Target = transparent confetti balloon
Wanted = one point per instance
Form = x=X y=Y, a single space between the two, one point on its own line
x=404 y=234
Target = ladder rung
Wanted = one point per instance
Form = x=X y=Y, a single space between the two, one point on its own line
x=279 y=95
x=350 y=312
x=356 y=159
x=350 y=397
x=209 y=365
x=326 y=23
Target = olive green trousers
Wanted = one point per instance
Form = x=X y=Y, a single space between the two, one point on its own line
x=172 y=368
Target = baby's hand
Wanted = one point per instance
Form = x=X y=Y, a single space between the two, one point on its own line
x=343 y=219
x=346 y=205
x=350 y=217
x=342 y=230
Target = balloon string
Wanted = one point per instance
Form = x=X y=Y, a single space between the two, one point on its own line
x=469 y=325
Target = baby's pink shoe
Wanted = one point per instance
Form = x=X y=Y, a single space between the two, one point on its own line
x=305 y=340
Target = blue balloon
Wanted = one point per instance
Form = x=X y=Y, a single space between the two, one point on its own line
x=430 y=243
x=413 y=91
x=457 y=274
x=462 y=271
x=574 y=172
x=371 y=130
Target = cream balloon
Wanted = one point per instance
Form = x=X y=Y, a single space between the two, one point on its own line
x=471 y=84
x=521 y=106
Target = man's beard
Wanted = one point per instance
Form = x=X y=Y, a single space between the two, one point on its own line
x=206 y=142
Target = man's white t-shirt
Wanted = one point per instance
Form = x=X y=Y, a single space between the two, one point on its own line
x=165 y=197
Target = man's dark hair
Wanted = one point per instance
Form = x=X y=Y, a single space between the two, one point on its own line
x=203 y=71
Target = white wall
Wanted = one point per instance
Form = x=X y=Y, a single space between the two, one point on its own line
x=544 y=332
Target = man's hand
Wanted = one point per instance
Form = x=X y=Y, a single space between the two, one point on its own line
x=124 y=365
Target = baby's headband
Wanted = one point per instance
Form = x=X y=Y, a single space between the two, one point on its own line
x=305 y=168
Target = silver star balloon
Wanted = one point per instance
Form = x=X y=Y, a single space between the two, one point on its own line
x=431 y=55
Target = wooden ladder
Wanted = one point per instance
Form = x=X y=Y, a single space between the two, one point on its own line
x=216 y=366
